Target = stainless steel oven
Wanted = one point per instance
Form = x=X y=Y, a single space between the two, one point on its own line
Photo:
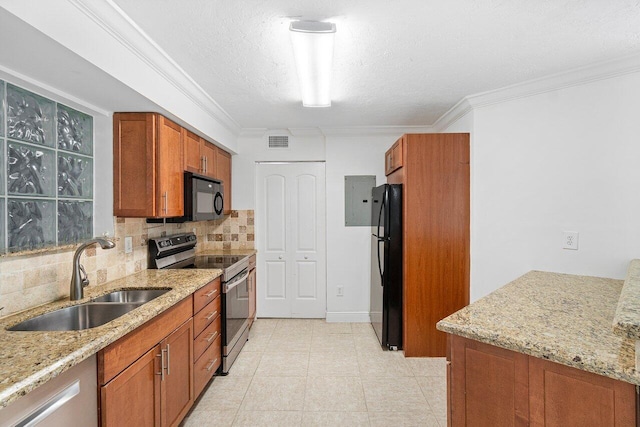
x=178 y=251
x=235 y=312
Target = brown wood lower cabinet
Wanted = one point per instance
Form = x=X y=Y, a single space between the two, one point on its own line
x=177 y=382
x=146 y=377
x=133 y=397
x=491 y=386
x=152 y=375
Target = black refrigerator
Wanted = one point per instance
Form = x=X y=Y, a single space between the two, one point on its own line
x=385 y=307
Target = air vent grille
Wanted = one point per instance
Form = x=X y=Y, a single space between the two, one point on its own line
x=278 y=141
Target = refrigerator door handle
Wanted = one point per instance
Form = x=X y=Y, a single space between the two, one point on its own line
x=379 y=265
x=384 y=201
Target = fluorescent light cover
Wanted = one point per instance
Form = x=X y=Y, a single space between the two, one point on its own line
x=313 y=51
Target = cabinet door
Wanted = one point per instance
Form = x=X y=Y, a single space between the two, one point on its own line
x=252 y=295
x=223 y=173
x=193 y=160
x=133 y=397
x=133 y=164
x=488 y=385
x=564 y=396
x=396 y=153
x=169 y=175
x=209 y=155
x=177 y=386
x=393 y=156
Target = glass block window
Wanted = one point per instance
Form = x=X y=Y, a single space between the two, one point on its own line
x=46 y=172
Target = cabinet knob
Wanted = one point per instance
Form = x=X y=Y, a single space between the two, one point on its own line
x=280 y=257
x=306 y=257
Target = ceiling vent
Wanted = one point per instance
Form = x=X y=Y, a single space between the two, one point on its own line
x=278 y=141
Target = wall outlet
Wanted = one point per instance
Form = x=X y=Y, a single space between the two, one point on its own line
x=340 y=291
x=570 y=240
x=128 y=244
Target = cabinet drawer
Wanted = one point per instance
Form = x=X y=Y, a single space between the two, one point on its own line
x=205 y=295
x=209 y=335
x=207 y=315
x=207 y=365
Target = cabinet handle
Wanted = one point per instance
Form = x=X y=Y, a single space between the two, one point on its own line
x=202 y=164
x=212 y=315
x=161 y=356
x=168 y=359
x=210 y=293
x=165 y=196
x=210 y=365
x=206 y=164
x=212 y=336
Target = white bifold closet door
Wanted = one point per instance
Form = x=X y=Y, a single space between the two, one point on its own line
x=290 y=213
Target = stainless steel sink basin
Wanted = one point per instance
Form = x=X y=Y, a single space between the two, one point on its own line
x=77 y=317
x=131 y=296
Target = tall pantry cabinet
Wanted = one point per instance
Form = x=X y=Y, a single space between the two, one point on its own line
x=434 y=171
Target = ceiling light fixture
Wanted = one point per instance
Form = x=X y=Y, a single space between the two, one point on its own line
x=313 y=51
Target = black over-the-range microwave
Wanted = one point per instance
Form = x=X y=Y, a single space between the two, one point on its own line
x=203 y=199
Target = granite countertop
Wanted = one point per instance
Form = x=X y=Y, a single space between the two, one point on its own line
x=28 y=359
x=564 y=318
x=626 y=322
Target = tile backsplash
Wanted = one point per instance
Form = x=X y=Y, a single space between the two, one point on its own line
x=33 y=279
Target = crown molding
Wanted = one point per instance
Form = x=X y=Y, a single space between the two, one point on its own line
x=355 y=131
x=14 y=77
x=252 y=132
x=575 y=77
x=462 y=108
x=118 y=25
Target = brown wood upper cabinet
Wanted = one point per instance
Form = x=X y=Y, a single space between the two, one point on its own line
x=200 y=156
x=393 y=156
x=223 y=171
x=147 y=172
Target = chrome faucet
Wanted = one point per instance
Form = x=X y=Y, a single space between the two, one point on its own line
x=79 y=276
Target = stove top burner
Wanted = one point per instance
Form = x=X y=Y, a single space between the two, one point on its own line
x=216 y=261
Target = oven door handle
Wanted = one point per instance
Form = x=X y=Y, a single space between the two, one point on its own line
x=229 y=286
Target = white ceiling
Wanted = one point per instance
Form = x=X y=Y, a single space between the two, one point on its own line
x=397 y=63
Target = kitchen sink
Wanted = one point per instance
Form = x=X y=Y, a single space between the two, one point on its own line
x=131 y=296
x=77 y=317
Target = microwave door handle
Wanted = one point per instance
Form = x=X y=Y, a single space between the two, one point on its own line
x=217 y=197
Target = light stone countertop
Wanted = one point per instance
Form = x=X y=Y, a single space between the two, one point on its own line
x=28 y=359
x=626 y=322
x=560 y=317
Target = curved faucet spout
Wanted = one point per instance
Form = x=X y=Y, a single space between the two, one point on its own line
x=79 y=277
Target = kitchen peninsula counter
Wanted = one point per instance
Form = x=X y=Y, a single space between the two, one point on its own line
x=29 y=359
x=563 y=318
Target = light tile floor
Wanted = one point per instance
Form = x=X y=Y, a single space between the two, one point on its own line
x=298 y=372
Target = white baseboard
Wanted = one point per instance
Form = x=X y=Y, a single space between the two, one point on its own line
x=348 y=316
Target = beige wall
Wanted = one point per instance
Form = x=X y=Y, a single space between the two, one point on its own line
x=30 y=280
